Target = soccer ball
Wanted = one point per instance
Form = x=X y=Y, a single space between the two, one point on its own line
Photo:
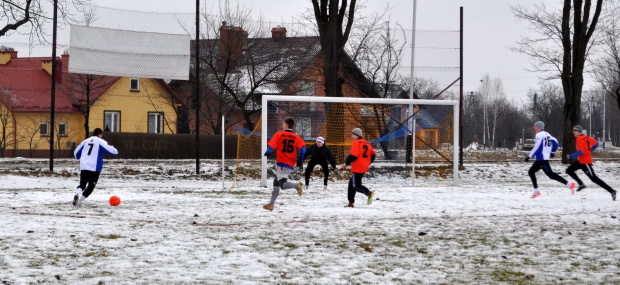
x=115 y=201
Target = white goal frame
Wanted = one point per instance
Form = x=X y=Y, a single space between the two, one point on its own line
x=355 y=100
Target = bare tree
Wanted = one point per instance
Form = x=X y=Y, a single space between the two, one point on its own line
x=237 y=68
x=607 y=67
x=565 y=39
x=498 y=108
x=31 y=17
x=29 y=130
x=545 y=103
x=81 y=88
x=6 y=132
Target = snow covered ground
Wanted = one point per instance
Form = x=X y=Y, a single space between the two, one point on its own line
x=174 y=228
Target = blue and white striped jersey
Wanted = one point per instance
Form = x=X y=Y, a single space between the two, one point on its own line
x=90 y=153
x=545 y=145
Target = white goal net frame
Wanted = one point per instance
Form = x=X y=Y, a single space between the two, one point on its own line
x=353 y=100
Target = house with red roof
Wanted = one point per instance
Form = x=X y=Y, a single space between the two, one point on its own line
x=115 y=104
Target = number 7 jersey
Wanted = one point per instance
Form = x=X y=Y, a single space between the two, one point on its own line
x=286 y=143
x=545 y=145
x=90 y=153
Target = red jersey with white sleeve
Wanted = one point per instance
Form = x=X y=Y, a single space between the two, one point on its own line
x=286 y=144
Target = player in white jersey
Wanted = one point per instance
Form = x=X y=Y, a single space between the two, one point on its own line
x=545 y=147
x=90 y=153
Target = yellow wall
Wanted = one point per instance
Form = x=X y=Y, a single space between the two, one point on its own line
x=135 y=105
x=28 y=131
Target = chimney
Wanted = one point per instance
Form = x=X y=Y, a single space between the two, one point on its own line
x=7 y=55
x=47 y=65
x=278 y=32
x=231 y=44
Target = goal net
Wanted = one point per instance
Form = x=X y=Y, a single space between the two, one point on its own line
x=386 y=123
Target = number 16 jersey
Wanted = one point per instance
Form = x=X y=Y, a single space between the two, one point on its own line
x=545 y=145
x=286 y=143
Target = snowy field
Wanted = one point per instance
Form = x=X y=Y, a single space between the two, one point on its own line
x=175 y=228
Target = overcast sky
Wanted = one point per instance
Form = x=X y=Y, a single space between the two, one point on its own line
x=489 y=30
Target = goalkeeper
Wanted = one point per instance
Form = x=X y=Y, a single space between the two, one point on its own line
x=320 y=154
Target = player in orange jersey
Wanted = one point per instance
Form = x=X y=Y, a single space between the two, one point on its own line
x=361 y=156
x=289 y=148
x=585 y=145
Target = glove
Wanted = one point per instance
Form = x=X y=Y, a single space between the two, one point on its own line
x=552 y=154
x=527 y=159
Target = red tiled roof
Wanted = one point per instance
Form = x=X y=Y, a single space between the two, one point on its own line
x=26 y=87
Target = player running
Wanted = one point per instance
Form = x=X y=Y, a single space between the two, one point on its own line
x=286 y=144
x=361 y=156
x=545 y=147
x=585 y=145
x=319 y=154
x=90 y=153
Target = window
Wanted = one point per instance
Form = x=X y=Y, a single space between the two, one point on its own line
x=134 y=84
x=44 y=129
x=62 y=129
x=155 y=120
x=111 y=121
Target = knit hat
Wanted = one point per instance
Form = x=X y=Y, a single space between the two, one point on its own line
x=578 y=128
x=357 y=132
x=540 y=125
x=320 y=139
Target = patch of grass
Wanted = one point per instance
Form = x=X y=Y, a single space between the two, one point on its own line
x=575 y=264
x=364 y=245
x=107 y=273
x=110 y=236
x=225 y=251
x=291 y=245
x=513 y=277
x=398 y=243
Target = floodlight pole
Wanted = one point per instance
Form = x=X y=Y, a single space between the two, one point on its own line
x=461 y=96
x=197 y=86
x=53 y=94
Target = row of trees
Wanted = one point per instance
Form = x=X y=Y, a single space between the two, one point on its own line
x=494 y=121
x=574 y=38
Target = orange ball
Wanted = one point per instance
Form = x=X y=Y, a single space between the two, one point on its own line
x=115 y=201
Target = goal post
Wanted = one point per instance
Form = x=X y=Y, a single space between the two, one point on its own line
x=273 y=100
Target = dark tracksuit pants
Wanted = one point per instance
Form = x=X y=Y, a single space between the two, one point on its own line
x=310 y=167
x=355 y=185
x=90 y=178
x=544 y=165
x=589 y=171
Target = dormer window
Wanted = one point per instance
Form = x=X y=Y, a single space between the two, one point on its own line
x=134 y=84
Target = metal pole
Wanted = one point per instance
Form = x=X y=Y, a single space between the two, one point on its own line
x=455 y=156
x=413 y=27
x=263 y=141
x=590 y=116
x=461 y=97
x=413 y=154
x=223 y=152
x=197 y=86
x=53 y=94
x=604 y=137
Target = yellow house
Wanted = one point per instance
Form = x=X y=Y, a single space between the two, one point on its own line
x=115 y=104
